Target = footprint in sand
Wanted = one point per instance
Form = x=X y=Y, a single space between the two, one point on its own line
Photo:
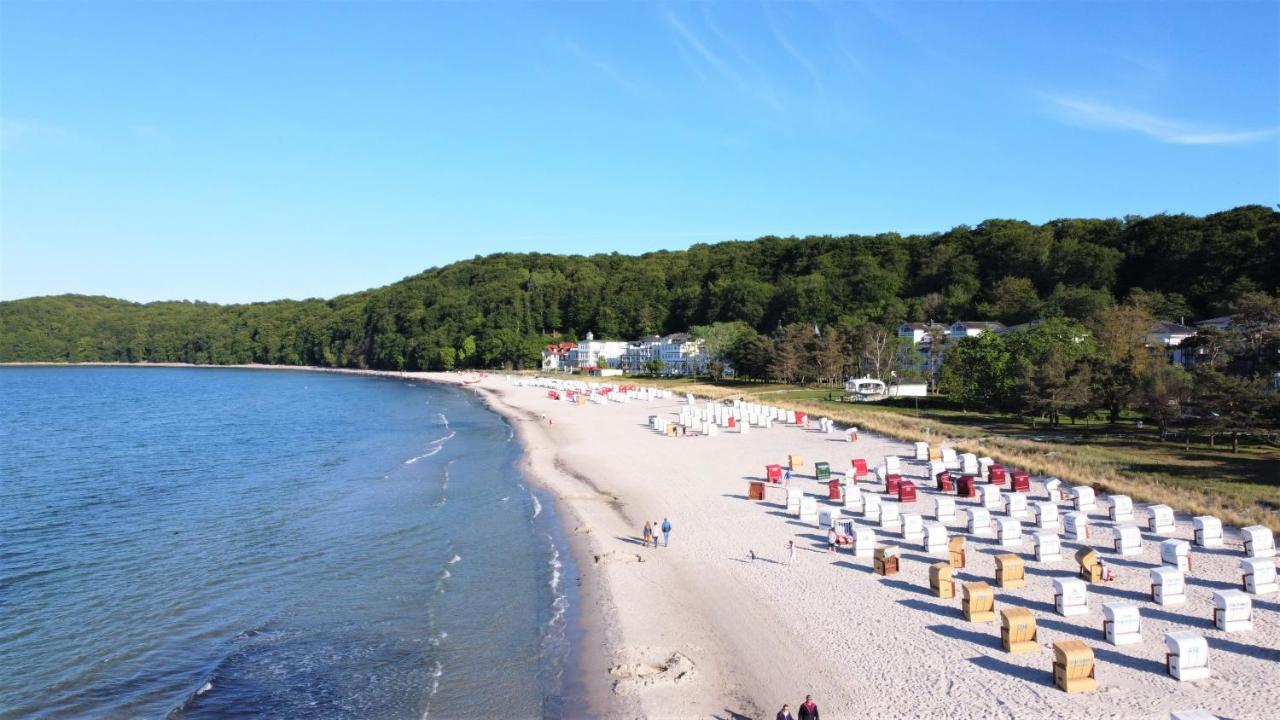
x=632 y=676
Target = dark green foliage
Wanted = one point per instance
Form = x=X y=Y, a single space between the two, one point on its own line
x=498 y=311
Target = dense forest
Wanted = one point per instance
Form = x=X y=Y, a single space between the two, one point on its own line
x=499 y=310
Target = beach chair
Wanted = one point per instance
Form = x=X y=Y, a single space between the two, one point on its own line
x=1232 y=611
x=1187 y=657
x=1047 y=546
x=1010 y=572
x=1258 y=576
x=955 y=552
x=1009 y=532
x=978 y=602
x=944 y=509
x=1020 y=481
x=1168 y=586
x=1121 y=623
x=996 y=475
x=1160 y=519
x=934 y=539
x=1070 y=596
x=1119 y=508
x=1046 y=515
x=1018 y=631
x=1089 y=564
x=1073 y=666
x=1208 y=531
x=1258 y=542
x=941 y=582
x=885 y=560
x=1176 y=553
x=944 y=483
x=1128 y=540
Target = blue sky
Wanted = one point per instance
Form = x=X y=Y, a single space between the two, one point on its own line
x=240 y=152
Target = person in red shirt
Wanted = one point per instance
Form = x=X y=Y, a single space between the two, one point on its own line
x=808 y=709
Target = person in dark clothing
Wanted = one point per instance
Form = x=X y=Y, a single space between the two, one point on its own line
x=784 y=714
x=808 y=709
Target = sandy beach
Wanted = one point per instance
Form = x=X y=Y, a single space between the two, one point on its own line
x=698 y=629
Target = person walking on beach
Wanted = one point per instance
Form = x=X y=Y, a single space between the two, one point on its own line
x=648 y=533
x=791 y=552
x=808 y=709
x=831 y=540
x=666 y=532
x=784 y=713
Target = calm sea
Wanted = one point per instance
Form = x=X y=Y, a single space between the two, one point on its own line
x=212 y=543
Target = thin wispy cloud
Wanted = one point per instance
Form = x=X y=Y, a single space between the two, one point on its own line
x=1086 y=112
x=690 y=42
x=20 y=132
x=603 y=67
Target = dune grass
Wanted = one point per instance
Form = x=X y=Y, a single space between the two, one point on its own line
x=1242 y=489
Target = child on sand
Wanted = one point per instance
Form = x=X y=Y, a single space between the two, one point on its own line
x=648 y=533
x=791 y=552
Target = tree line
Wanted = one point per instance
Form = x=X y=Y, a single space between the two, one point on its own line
x=500 y=310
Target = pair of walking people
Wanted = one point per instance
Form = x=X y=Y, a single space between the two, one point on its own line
x=808 y=710
x=651 y=533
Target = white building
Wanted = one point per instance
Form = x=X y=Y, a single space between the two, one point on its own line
x=1168 y=336
x=961 y=329
x=682 y=355
x=592 y=353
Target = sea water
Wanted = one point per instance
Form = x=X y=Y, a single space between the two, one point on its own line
x=212 y=543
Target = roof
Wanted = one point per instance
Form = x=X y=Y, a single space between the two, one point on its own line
x=979 y=324
x=1166 y=327
x=915 y=326
x=1220 y=321
x=678 y=337
x=1022 y=326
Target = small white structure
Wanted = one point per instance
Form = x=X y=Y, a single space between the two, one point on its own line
x=891 y=516
x=1122 y=623
x=979 y=521
x=1015 y=504
x=1070 y=596
x=1208 y=531
x=809 y=509
x=1077 y=526
x=1048 y=546
x=935 y=538
x=871 y=506
x=944 y=508
x=892 y=464
x=949 y=457
x=864 y=542
x=1160 y=519
x=1258 y=542
x=1176 y=553
x=935 y=467
x=912 y=527
x=1232 y=611
x=1259 y=576
x=1188 y=656
x=1009 y=532
x=922 y=450
x=852 y=496
x=1053 y=489
x=990 y=496
x=1119 y=508
x=793 y=501
x=1082 y=498
x=1046 y=515
x=1128 y=540
x=828 y=517
x=968 y=464
x=984 y=467
x=1168 y=586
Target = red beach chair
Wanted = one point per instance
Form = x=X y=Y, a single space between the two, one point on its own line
x=995 y=475
x=891 y=483
x=1021 y=481
x=773 y=473
x=859 y=467
x=906 y=492
x=945 y=484
x=834 y=491
x=967 y=488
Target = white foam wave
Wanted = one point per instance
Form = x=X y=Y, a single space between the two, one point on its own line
x=204 y=688
x=446 y=575
x=537 y=506
x=443 y=420
x=505 y=498
x=427 y=454
x=445 y=439
x=455 y=559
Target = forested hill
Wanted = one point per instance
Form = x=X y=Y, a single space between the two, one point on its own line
x=501 y=309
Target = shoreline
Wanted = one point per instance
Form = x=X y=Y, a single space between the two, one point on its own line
x=722 y=624
x=591 y=648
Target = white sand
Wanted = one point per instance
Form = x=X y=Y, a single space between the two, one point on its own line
x=698 y=630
